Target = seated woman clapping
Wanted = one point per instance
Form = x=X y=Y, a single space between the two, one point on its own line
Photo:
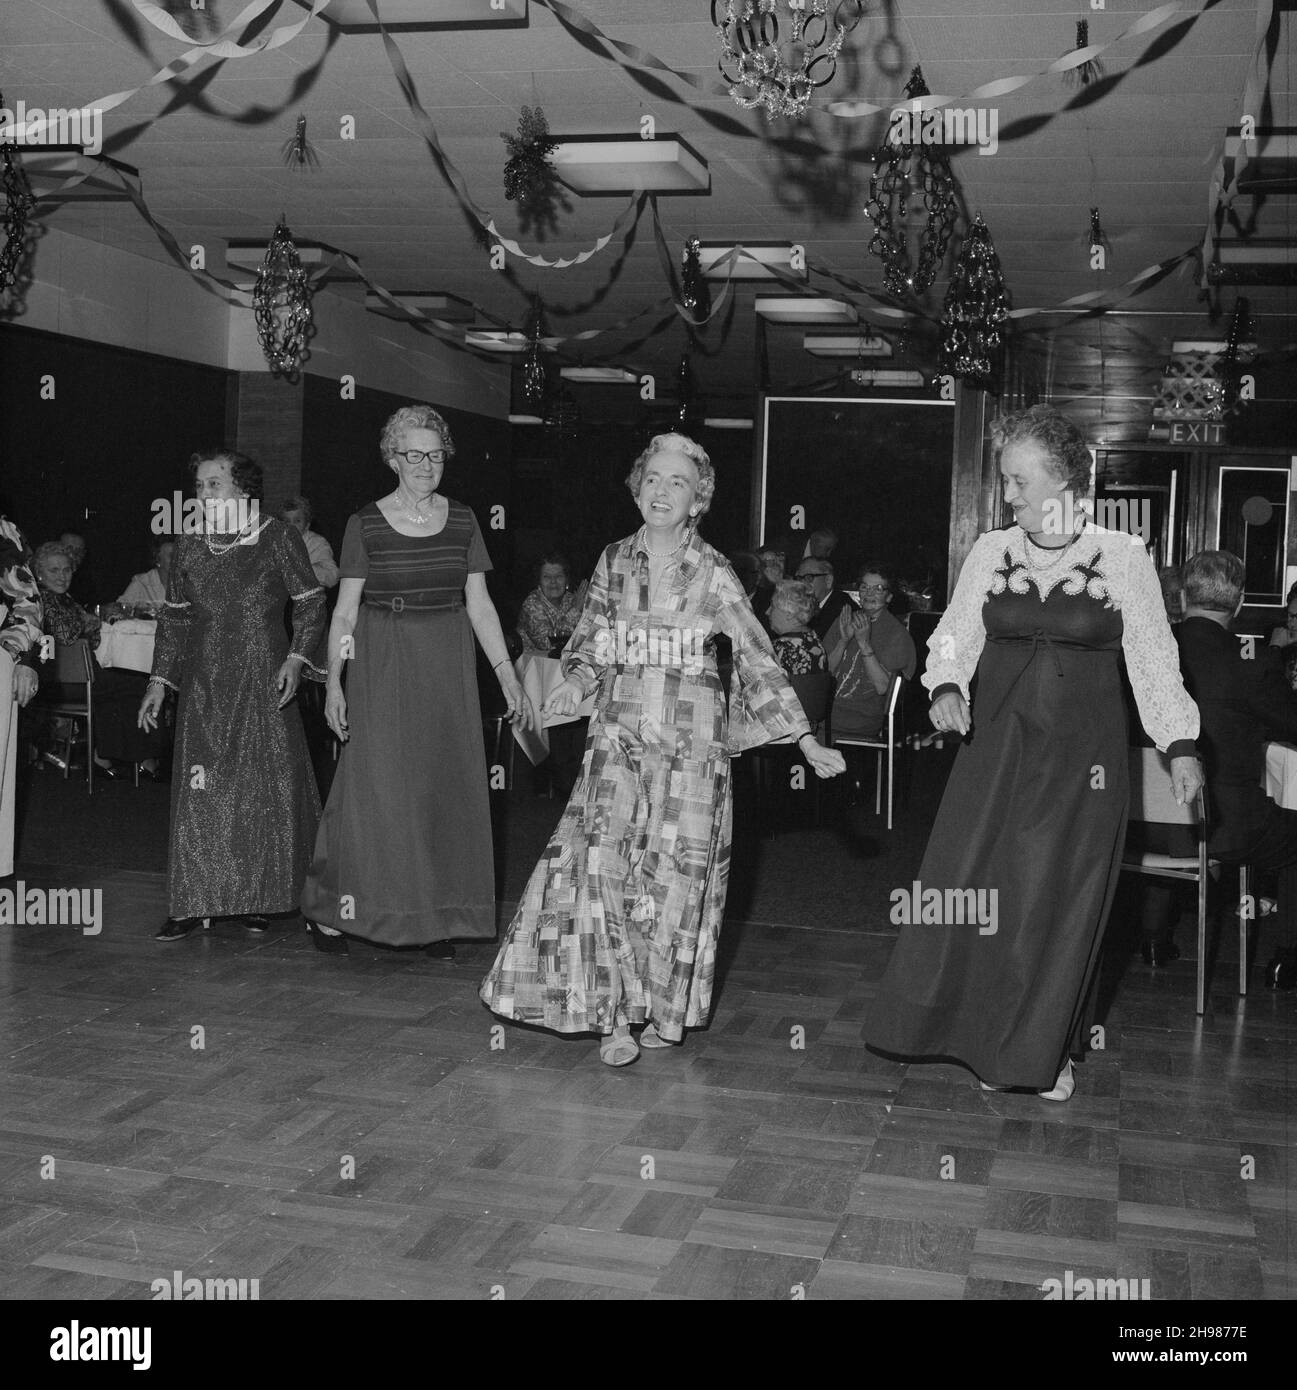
x=866 y=649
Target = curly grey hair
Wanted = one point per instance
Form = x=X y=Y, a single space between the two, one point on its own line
x=695 y=453
x=413 y=417
x=796 y=598
x=1069 y=459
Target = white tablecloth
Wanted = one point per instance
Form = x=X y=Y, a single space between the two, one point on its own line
x=128 y=644
x=1281 y=774
x=539 y=676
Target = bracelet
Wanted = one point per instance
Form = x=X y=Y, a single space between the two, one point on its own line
x=498 y=664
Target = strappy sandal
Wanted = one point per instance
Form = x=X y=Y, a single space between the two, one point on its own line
x=618 y=1050
x=651 y=1038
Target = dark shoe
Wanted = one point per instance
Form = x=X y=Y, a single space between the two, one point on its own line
x=177 y=928
x=440 y=950
x=329 y=945
x=1157 y=953
x=1281 y=973
x=255 y=922
x=107 y=770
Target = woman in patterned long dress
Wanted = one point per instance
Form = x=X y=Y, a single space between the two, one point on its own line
x=404 y=855
x=619 y=921
x=1034 y=813
x=243 y=800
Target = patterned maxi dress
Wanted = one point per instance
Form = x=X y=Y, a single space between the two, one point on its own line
x=244 y=805
x=620 y=919
x=1035 y=808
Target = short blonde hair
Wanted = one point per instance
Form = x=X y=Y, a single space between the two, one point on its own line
x=796 y=598
x=695 y=453
x=413 y=417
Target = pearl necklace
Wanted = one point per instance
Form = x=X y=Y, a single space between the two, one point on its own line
x=666 y=554
x=243 y=538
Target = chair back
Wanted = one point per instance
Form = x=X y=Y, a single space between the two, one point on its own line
x=813 y=691
x=1152 y=796
x=894 y=693
x=73 y=664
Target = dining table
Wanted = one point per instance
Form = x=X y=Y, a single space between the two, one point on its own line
x=127 y=644
x=539 y=675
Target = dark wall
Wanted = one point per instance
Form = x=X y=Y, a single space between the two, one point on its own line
x=117 y=434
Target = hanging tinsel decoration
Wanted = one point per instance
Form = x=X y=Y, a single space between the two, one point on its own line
x=529 y=176
x=298 y=151
x=975 y=311
x=1098 y=241
x=281 y=305
x=1231 y=364
x=781 y=77
x=535 y=380
x=695 y=294
x=1084 y=73
x=19 y=202
x=908 y=171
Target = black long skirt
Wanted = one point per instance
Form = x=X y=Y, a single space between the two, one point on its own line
x=1035 y=811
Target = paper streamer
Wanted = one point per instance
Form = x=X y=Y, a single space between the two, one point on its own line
x=458 y=184
x=218 y=48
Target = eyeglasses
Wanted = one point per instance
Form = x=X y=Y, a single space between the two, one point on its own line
x=875 y=589
x=813 y=574
x=413 y=456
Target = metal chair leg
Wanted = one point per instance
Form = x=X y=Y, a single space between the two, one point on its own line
x=1244 y=893
x=1202 y=944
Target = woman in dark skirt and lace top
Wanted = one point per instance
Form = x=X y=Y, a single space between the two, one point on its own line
x=1034 y=814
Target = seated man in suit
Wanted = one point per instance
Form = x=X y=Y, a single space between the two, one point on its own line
x=829 y=602
x=1244 y=704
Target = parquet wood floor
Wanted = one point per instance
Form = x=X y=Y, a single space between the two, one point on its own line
x=348 y=1131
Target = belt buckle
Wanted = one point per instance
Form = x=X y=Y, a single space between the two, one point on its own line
x=398 y=604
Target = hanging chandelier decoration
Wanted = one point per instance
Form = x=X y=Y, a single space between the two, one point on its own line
x=530 y=179
x=535 y=380
x=298 y=151
x=780 y=71
x=908 y=173
x=1237 y=353
x=975 y=311
x=281 y=305
x=19 y=203
x=695 y=294
x=688 y=412
x=1091 y=70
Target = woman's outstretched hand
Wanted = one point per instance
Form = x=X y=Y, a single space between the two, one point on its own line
x=1186 y=779
x=517 y=707
x=825 y=762
x=564 y=700
x=149 y=707
x=949 y=713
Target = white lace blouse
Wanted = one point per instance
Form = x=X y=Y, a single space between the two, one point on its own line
x=1125 y=580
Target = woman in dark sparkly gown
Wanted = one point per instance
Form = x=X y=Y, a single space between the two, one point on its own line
x=1034 y=814
x=243 y=801
x=404 y=855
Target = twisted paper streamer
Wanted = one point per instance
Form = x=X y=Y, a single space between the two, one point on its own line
x=220 y=47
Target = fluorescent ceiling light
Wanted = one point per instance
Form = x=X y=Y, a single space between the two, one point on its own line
x=761 y=260
x=868 y=377
x=249 y=255
x=728 y=422
x=355 y=16
x=804 y=309
x=438 y=306
x=526 y=420
x=492 y=341
x=604 y=165
x=846 y=345
x=617 y=375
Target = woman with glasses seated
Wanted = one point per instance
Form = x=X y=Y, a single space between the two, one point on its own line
x=404 y=854
x=866 y=649
x=1283 y=640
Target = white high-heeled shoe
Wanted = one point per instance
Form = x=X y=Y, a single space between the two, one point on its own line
x=1063 y=1087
